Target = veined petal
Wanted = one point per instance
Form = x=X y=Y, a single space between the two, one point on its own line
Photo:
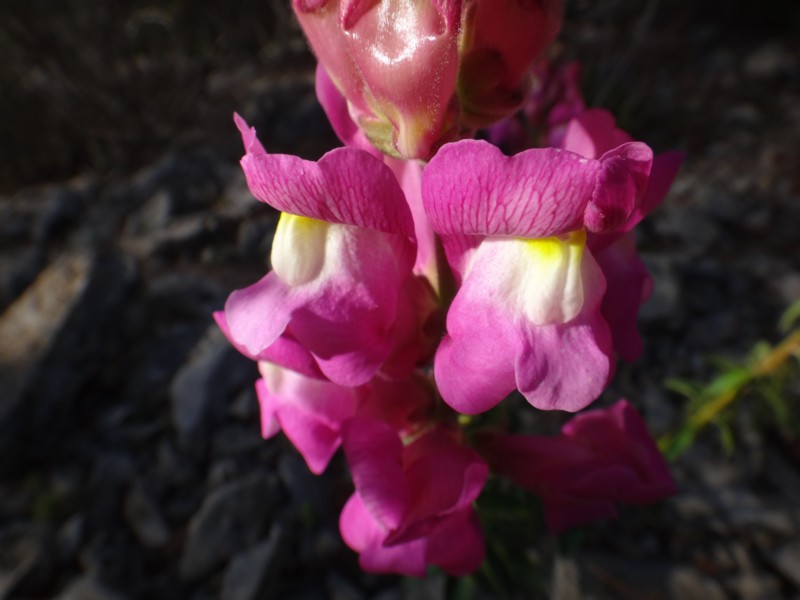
x=471 y=188
x=346 y=186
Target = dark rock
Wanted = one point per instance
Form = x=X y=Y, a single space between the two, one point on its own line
x=231 y=519
x=251 y=574
x=786 y=559
x=26 y=566
x=144 y=517
x=201 y=390
x=689 y=584
x=87 y=588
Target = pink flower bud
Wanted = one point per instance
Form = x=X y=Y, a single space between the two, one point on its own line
x=419 y=74
x=395 y=61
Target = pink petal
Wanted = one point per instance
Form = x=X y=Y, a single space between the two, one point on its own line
x=361 y=532
x=620 y=186
x=346 y=186
x=310 y=411
x=628 y=286
x=551 y=378
x=592 y=133
x=471 y=188
x=444 y=477
x=258 y=314
x=270 y=425
x=474 y=365
x=457 y=546
x=374 y=453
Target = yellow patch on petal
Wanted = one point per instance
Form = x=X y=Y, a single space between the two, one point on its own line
x=298 y=249
x=554 y=291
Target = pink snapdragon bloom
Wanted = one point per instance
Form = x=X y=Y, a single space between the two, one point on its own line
x=527 y=315
x=413 y=503
x=311 y=412
x=395 y=61
x=591 y=134
x=603 y=457
x=341 y=298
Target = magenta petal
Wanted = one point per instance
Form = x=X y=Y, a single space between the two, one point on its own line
x=361 y=532
x=310 y=411
x=628 y=284
x=457 y=547
x=665 y=169
x=258 y=314
x=270 y=425
x=444 y=477
x=592 y=133
x=374 y=452
x=346 y=186
x=474 y=365
x=471 y=188
x=551 y=378
x=620 y=435
x=286 y=351
x=620 y=186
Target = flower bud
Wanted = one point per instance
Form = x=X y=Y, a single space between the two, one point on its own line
x=396 y=62
x=419 y=73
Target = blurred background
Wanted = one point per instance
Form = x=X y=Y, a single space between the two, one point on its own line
x=132 y=465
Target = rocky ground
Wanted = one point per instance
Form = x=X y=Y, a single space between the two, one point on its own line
x=132 y=461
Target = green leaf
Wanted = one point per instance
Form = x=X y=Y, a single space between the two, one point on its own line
x=684 y=387
x=790 y=316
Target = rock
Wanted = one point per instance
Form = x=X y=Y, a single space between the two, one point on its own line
x=308 y=491
x=145 y=519
x=566 y=581
x=203 y=387
x=250 y=575
x=786 y=559
x=87 y=588
x=25 y=565
x=230 y=520
x=340 y=588
x=689 y=584
x=664 y=304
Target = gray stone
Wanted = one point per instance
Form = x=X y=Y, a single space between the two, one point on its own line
x=87 y=588
x=201 y=390
x=230 y=520
x=145 y=518
x=340 y=588
x=664 y=304
x=25 y=565
x=687 y=583
x=250 y=574
x=566 y=581
x=786 y=559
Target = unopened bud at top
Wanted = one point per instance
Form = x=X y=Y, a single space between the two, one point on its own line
x=419 y=73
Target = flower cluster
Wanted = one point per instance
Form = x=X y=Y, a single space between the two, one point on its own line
x=419 y=275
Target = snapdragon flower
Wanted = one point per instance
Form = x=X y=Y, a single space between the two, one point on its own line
x=527 y=315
